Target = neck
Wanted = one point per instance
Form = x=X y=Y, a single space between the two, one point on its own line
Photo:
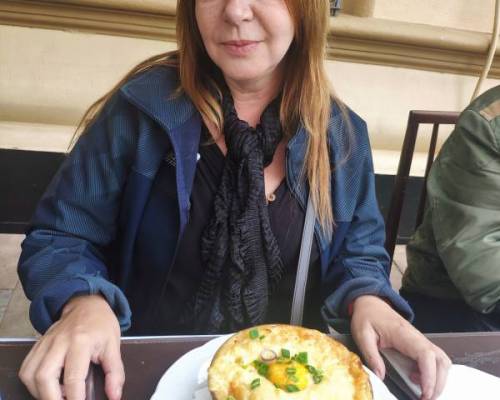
x=251 y=97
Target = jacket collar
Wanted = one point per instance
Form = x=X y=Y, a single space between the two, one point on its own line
x=155 y=93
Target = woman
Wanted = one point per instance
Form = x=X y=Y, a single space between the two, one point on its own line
x=187 y=204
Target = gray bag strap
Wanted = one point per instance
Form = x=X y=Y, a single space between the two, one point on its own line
x=299 y=292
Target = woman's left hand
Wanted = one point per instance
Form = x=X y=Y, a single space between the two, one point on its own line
x=376 y=325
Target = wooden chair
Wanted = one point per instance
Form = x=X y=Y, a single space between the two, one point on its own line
x=436 y=118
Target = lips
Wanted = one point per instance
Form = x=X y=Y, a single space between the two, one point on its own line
x=240 y=47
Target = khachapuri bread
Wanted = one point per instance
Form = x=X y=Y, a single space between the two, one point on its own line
x=281 y=362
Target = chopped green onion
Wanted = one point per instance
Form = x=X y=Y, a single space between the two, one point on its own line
x=317 y=374
x=311 y=369
x=255 y=383
x=291 y=371
x=254 y=333
x=262 y=368
x=285 y=353
x=291 y=388
x=230 y=398
x=301 y=357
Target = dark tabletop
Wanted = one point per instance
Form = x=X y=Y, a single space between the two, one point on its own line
x=146 y=359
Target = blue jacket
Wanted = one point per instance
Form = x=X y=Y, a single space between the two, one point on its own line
x=111 y=219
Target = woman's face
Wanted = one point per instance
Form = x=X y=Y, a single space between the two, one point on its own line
x=246 y=39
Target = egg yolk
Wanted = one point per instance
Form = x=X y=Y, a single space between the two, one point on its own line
x=287 y=375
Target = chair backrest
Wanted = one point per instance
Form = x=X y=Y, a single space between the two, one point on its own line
x=436 y=118
x=24 y=178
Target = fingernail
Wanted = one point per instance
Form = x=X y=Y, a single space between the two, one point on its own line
x=118 y=393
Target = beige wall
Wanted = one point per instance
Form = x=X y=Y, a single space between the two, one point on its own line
x=48 y=77
x=475 y=15
x=383 y=96
x=362 y=8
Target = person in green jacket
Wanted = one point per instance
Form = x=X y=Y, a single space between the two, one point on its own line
x=453 y=276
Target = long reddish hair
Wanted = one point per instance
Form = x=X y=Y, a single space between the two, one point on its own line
x=307 y=94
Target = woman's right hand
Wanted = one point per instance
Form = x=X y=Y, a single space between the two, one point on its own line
x=88 y=331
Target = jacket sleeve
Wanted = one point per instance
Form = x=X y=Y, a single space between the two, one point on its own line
x=464 y=193
x=362 y=264
x=63 y=253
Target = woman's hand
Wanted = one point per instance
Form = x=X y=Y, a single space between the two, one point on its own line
x=376 y=325
x=88 y=330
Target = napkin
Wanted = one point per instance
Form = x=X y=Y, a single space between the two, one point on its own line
x=463 y=382
x=470 y=383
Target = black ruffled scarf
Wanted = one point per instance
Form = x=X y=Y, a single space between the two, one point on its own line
x=239 y=251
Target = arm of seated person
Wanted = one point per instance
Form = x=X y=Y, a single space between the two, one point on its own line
x=76 y=219
x=62 y=258
x=379 y=315
x=464 y=192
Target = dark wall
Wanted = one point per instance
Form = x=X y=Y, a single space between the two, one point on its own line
x=24 y=175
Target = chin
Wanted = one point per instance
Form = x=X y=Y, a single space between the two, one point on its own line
x=239 y=72
x=247 y=69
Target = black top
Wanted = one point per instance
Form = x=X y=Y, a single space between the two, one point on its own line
x=287 y=221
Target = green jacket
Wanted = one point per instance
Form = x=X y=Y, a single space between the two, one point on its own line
x=455 y=253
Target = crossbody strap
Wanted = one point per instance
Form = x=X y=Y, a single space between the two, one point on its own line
x=299 y=291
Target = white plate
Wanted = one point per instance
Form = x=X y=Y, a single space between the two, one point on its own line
x=186 y=379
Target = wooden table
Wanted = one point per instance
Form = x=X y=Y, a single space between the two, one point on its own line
x=146 y=359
